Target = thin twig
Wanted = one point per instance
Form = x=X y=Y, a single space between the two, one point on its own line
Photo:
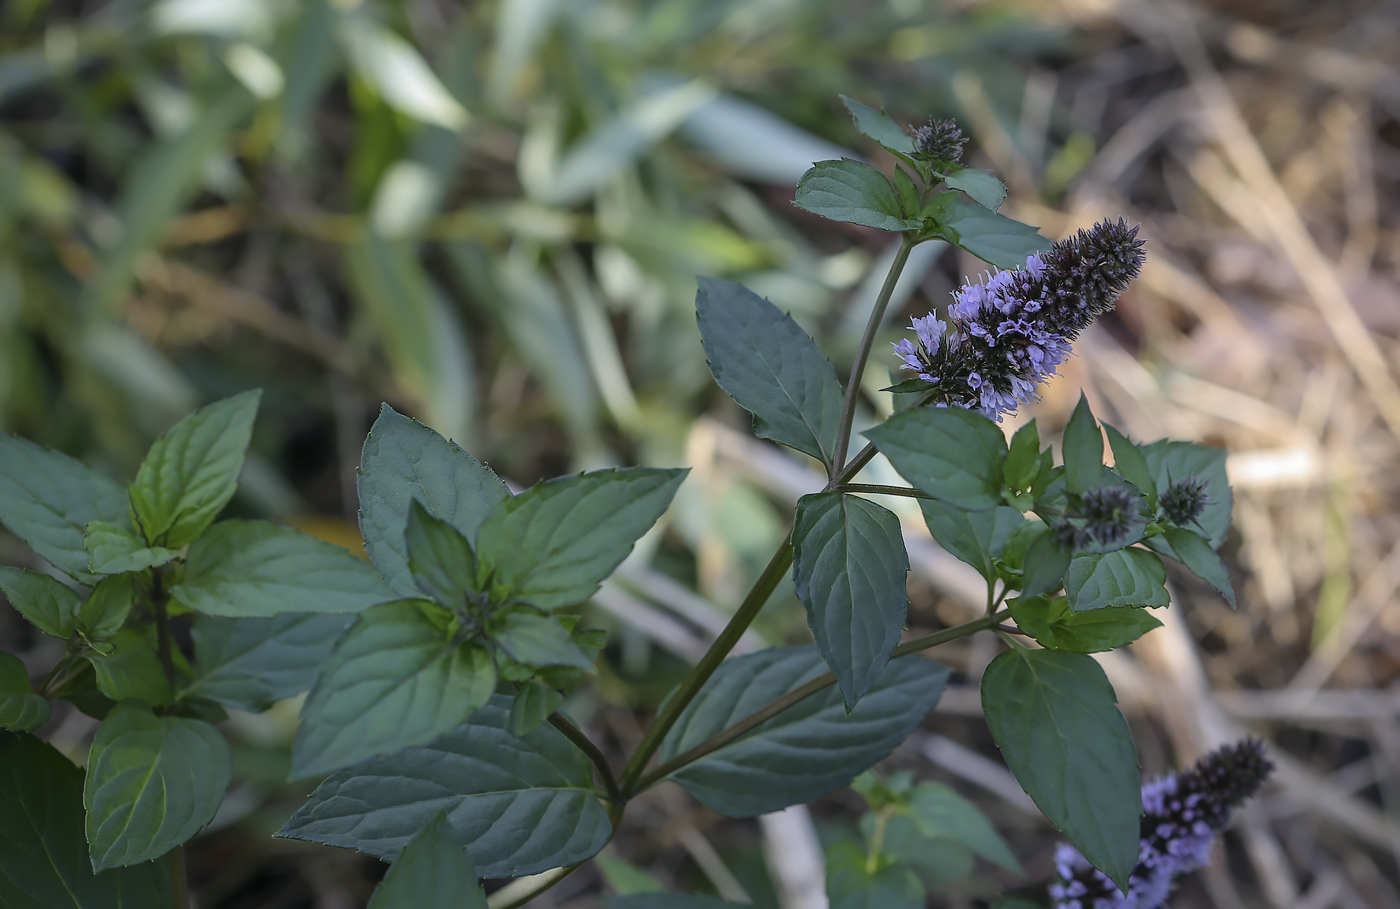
x=874 y=489
x=586 y=745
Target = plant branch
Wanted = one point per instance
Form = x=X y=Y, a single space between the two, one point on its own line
x=163 y=644
x=877 y=315
x=801 y=693
x=513 y=894
x=758 y=595
x=905 y=491
x=586 y=745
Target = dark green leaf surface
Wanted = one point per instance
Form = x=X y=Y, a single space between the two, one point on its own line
x=43 y=854
x=533 y=704
x=806 y=751
x=975 y=537
x=41 y=599
x=1083 y=449
x=132 y=671
x=879 y=127
x=985 y=190
x=555 y=542
x=106 y=609
x=850 y=885
x=1044 y=566
x=941 y=813
x=1052 y=624
x=250 y=664
x=1195 y=553
x=394 y=680
x=404 y=460
x=849 y=567
x=769 y=365
x=521 y=805
x=1131 y=465
x=937 y=862
x=537 y=640
x=191 y=471
x=992 y=237
x=152 y=783
x=115 y=550
x=1023 y=457
x=1170 y=462
x=952 y=454
x=20 y=708
x=666 y=901
x=47 y=499
x=439 y=558
x=853 y=192
x=1124 y=577
x=1055 y=718
x=254 y=569
x=434 y=871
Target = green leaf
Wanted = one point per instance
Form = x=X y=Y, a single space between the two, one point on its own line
x=554 y=543
x=113 y=550
x=132 y=671
x=44 y=863
x=1170 y=462
x=1131 y=465
x=439 y=558
x=191 y=471
x=909 y=387
x=533 y=704
x=769 y=365
x=403 y=461
x=907 y=190
x=41 y=599
x=250 y=664
x=1052 y=624
x=1124 y=577
x=152 y=783
x=851 y=885
x=880 y=127
x=1055 y=719
x=1044 y=567
x=810 y=749
x=434 y=871
x=521 y=805
x=106 y=609
x=992 y=237
x=666 y=901
x=975 y=537
x=395 y=680
x=937 y=862
x=853 y=192
x=47 y=499
x=536 y=640
x=1083 y=449
x=1193 y=551
x=952 y=454
x=1023 y=458
x=941 y=813
x=398 y=72
x=986 y=190
x=849 y=565
x=254 y=569
x=20 y=708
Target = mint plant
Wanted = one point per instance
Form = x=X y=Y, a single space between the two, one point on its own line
x=436 y=671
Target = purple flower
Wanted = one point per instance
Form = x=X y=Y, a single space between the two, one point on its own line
x=1184 y=501
x=1181 y=815
x=1013 y=331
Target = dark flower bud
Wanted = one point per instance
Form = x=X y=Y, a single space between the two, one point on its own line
x=1184 y=501
x=1108 y=514
x=940 y=141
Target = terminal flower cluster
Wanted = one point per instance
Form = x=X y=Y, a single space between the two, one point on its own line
x=1012 y=332
x=1182 y=814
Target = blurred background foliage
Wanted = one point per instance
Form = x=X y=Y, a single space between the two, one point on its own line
x=492 y=215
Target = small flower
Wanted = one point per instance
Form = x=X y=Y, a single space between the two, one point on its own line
x=1014 y=330
x=1181 y=815
x=1108 y=514
x=1184 y=501
x=941 y=142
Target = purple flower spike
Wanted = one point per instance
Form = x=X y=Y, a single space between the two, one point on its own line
x=1012 y=332
x=1181 y=815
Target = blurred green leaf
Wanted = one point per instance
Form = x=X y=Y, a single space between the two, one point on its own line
x=20 y=708
x=434 y=871
x=399 y=73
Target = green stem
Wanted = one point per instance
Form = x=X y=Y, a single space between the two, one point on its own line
x=585 y=744
x=509 y=898
x=877 y=316
x=58 y=676
x=801 y=693
x=877 y=841
x=179 y=884
x=158 y=600
x=884 y=490
x=758 y=595
x=867 y=454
